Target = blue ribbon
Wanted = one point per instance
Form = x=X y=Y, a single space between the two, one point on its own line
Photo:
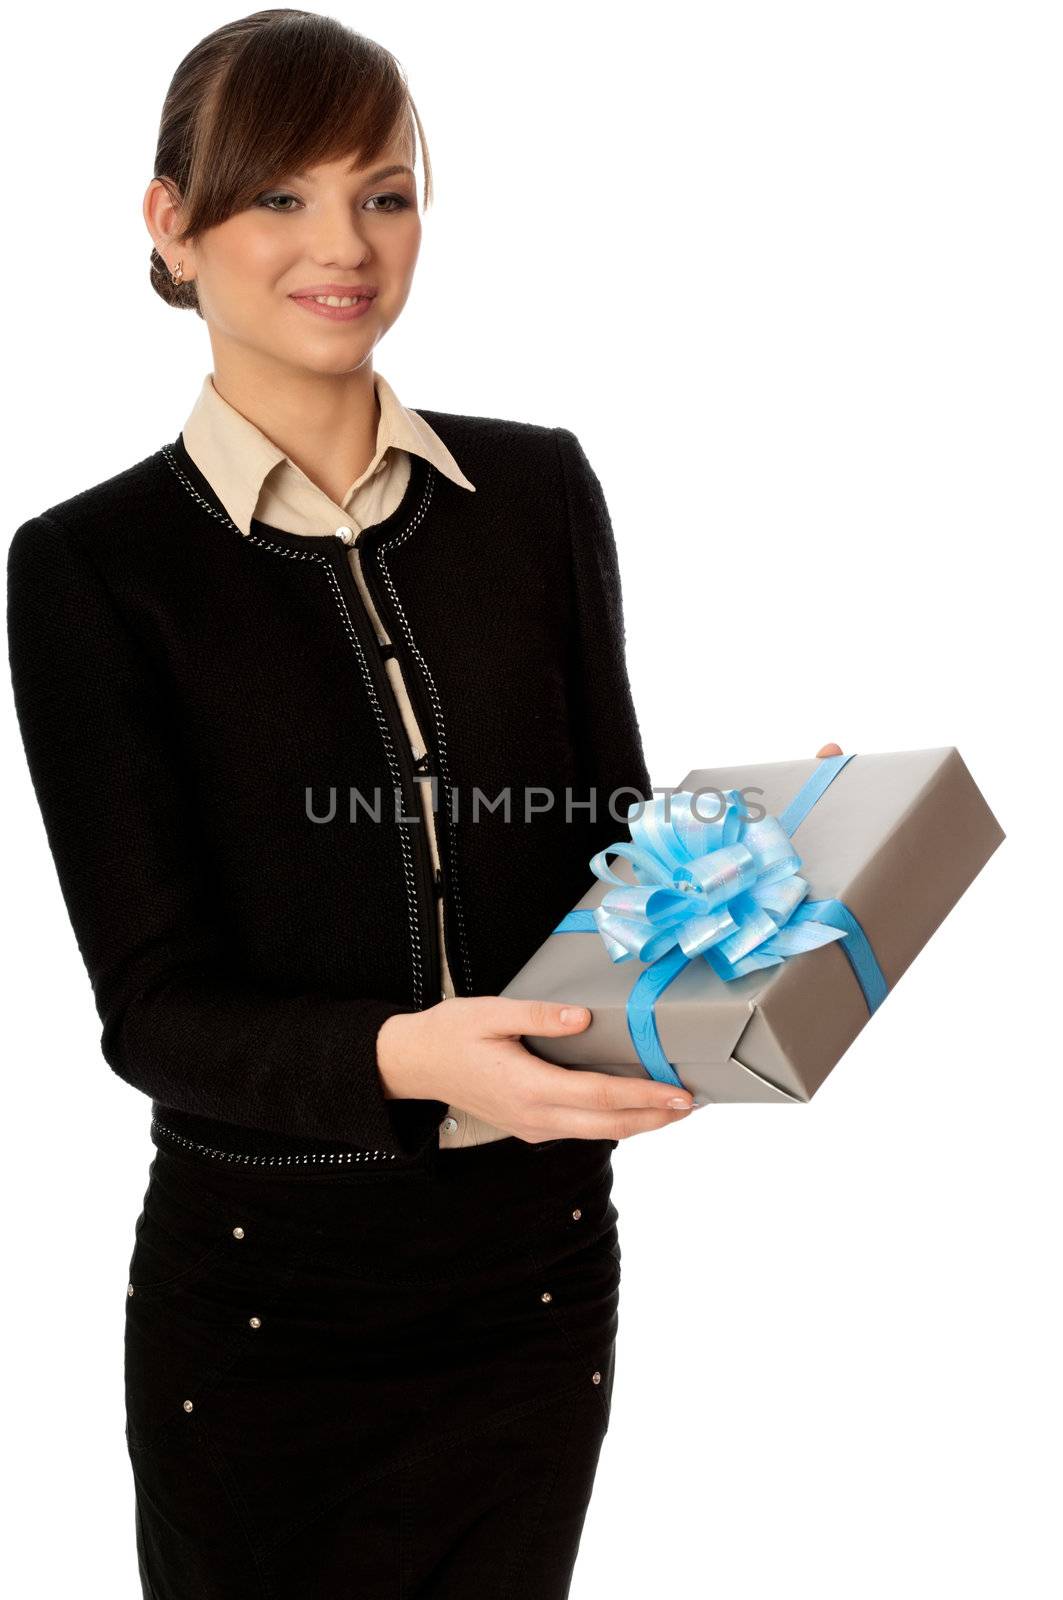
x=723 y=888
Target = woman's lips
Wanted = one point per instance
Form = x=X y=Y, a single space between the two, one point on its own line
x=334 y=313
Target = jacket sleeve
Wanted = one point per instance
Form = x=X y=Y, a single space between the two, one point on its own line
x=606 y=720
x=113 y=795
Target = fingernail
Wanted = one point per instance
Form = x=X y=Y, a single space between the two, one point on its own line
x=573 y=1014
x=681 y=1105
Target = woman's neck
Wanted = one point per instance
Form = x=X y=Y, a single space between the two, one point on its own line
x=327 y=425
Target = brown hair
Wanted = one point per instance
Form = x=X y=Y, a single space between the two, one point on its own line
x=274 y=92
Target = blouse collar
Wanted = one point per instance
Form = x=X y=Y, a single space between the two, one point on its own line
x=237 y=457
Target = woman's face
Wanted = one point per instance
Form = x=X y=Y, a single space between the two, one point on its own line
x=328 y=226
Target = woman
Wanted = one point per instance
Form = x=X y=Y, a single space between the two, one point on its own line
x=260 y=676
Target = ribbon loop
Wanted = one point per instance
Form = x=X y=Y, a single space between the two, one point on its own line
x=723 y=884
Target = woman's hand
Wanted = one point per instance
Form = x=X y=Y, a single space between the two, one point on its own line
x=466 y=1051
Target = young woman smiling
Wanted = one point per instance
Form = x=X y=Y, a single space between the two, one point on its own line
x=372 y=1301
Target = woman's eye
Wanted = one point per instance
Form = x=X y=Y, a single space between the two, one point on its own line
x=400 y=200
x=265 y=201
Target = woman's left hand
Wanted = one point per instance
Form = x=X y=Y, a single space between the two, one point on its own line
x=829 y=750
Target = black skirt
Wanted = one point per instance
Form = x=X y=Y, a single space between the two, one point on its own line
x=378 y=1381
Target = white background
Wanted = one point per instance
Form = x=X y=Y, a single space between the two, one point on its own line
x=791 y=272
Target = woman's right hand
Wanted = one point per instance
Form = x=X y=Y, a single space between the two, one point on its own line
x=466 y=1051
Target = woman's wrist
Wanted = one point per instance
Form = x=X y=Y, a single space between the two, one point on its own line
x=399 y=1061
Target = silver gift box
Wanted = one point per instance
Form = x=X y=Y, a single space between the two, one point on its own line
x=897 y=837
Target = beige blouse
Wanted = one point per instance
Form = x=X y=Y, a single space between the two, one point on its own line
x=253 y=477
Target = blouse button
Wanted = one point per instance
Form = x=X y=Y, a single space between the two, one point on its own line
x=346 y=534
x=450 y=1125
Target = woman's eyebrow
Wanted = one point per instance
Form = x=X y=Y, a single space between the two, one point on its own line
x=373 y=177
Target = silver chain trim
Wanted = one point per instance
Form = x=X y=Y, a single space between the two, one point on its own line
x=327 y=1158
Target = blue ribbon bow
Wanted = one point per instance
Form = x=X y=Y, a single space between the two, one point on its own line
x=725 y=889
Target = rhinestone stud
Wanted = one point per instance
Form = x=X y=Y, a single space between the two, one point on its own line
x=187 y=1405
x=129 y=1288
x=577 y=1214
x=238 y=1233
x=596 y=1377
x=546 y=1297
x=256 y=1322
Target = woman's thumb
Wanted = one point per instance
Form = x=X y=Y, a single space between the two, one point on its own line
x=546 y=1017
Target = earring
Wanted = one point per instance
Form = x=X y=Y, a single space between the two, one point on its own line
x=175 y=275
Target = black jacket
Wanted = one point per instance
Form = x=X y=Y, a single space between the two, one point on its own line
x=184 y=691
